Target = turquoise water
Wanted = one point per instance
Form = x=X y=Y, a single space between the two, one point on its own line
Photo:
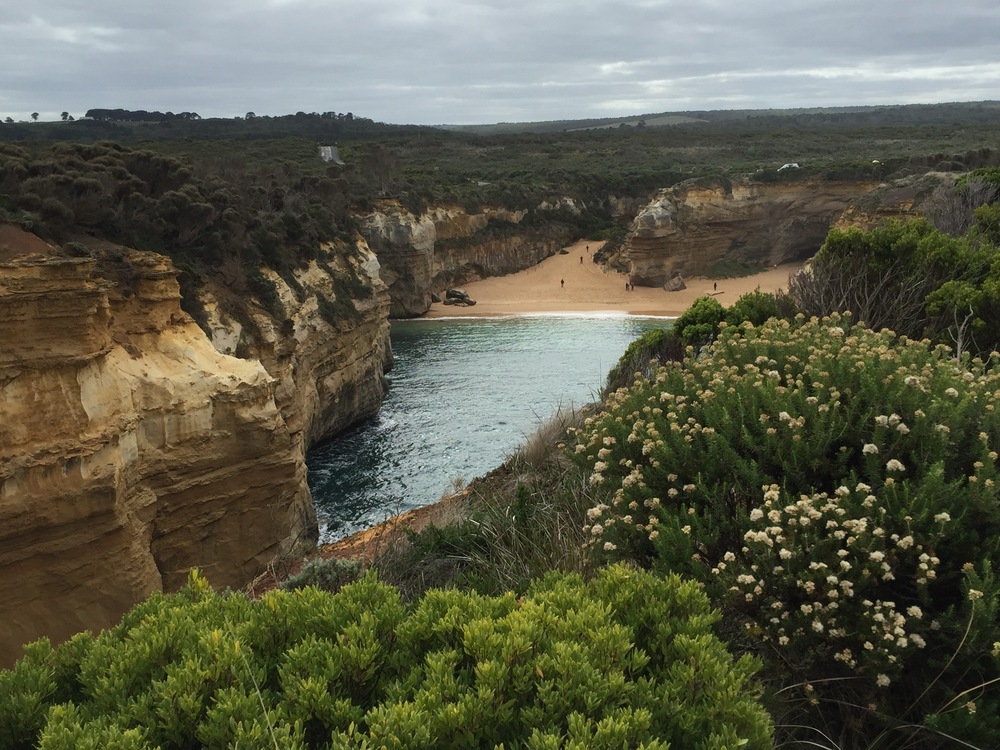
x=463 y=395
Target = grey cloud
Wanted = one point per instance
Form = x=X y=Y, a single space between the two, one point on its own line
x=434 y=61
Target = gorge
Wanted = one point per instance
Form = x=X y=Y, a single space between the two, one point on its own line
x=134 y=445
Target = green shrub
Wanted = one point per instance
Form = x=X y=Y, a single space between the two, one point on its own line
x=628 y=660
x=699 y=324
x=835 y=489
x=655 y=345
x=76 y=250
x=758 y=307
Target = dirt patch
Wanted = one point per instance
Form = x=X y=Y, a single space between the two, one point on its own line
x=17 y=243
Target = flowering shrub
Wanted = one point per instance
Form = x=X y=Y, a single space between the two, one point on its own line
x=628 y=660
x=835 y=488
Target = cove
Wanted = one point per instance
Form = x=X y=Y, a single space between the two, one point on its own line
x=463 y=394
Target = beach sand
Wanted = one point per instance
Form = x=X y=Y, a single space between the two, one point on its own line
x=587 y=288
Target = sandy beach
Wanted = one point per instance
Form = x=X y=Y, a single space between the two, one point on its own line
x=587 y=288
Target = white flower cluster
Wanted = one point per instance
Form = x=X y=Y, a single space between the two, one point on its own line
x=844 y=570
x=808 y=565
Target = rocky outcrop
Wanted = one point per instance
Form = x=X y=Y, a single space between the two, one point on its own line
x=446 y=246
x=330 y=352
x=691 y=227
x=132 y=449
x=676 y=284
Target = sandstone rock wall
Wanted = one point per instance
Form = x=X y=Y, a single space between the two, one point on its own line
x=329 y=376
x=901 y=200
x=445 y=246
x=132 y=449
x=688 y=228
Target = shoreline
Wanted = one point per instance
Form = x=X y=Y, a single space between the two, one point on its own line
x=571 y=284
x=523 y=295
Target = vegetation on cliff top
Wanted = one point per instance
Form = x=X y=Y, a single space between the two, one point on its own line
x=212 y=218
x=422 y=166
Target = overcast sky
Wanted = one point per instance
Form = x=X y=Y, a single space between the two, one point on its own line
x=445 y=61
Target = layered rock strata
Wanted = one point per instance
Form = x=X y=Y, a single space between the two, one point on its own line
x=131 y=449
x=900 y=200
x=689 y=228
x=446 y=247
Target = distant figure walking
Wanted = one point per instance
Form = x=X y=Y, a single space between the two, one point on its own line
x=581 y=259
x=715 y=286
x=562 y=282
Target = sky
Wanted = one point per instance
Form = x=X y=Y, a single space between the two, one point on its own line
x=484 y=61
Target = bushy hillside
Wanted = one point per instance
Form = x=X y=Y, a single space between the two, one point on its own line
x=212 y=217
x=829 y=489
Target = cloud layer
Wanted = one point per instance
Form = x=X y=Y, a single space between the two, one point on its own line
x=443 y=61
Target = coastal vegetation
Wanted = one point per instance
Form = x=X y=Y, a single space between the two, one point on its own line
x=831 y=486
x=847 y=522
x=625 y=660
x=522 y=166
x=789 y=504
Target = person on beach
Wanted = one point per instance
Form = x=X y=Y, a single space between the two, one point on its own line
x=715 y=286
x=562 y=282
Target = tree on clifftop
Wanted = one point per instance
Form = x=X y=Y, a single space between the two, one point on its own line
x=34 y=116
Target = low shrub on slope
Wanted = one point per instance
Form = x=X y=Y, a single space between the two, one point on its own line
x=834 y=489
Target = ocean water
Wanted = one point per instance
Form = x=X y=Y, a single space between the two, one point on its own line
x=463 y=394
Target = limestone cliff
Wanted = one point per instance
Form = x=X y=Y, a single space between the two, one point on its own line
x=132 y=449
x=446 y=246
x=690 y=227
x=329 y=364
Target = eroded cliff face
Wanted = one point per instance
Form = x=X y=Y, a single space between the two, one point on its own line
x=445 y=247
x=330 y=354
x=132 y=449
x=689 y=228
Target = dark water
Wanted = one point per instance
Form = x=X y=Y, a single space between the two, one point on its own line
x=463 y=395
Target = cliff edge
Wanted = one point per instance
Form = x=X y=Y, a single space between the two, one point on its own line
x=132 y=449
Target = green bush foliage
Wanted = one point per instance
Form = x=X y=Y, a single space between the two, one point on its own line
x=628 y=660
x=204 y=213
x=655 y=345
x=912 y=278
x=699 y=324
x=834 y=488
